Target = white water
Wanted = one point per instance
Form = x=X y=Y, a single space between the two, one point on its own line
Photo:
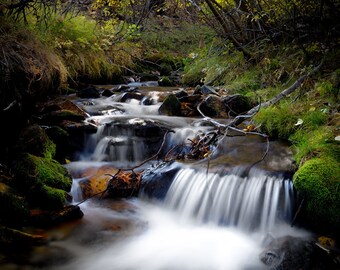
x=207 y=221
x=258 y=202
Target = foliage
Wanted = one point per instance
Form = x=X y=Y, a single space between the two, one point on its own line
x=315 y=143
x=31 y=170
x=318 y=181
x=277 y=121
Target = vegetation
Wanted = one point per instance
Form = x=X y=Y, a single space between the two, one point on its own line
x=254 y=48
x=318 y=181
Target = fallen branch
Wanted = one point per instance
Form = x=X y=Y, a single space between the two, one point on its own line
x=239 y=119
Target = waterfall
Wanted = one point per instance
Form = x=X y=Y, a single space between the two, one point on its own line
x=257 y=202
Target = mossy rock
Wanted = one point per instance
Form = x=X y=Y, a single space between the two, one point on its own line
x=13 y=209
x=165 y=81
x=31 y=170
x=57 y=117
x=318 y=181
x=46 y=197
x=171 y=106
x=61 y=139
x=35 y=141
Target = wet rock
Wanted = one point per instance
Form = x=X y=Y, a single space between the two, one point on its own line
x=16 y=240
x=131 y=95
x=89 y=92
x=295 y=253
x=122 y=88
x=124 y=184
x=155 y=181
x=237 y=104
x=214 y=106
x=171 y=106
x=95 y=180
x=205 y=90
x=189 y=105
x=44 y=219
x=107 y=93
x=165 y=81
x=181 y=94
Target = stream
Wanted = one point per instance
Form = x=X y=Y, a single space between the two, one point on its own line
x=195 y=215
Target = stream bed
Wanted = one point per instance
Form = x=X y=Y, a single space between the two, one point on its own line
x=211 y=214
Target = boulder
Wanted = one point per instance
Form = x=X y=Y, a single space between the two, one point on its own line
x=89 y=92
x=213 y=106
x=156 y=180
x=237 y=104
x=14 y=210
x=34 y=140
x=295 y=253
x=171 y=106
x=43 y=181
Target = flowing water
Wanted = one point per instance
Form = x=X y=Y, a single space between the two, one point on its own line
x=214 y=216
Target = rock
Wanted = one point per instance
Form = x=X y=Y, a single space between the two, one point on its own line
x=213 y=106
x=189 y=105
x=122 y=88
x=89 y=92
x=318 y=181
x=131 y=95
x=181 y=94
x=165 y=81
x=295 y=253
x=95 y=180
x=44 y=181
x=107 y=93
x=237 y=104
x=205 y=90
x=15 y=240
x=44 y=219
x=57 y=117
x=13 y=210
x=171 y=106
x=124 y=184
x=155 y=181
x=60 y=137
x=34 y=140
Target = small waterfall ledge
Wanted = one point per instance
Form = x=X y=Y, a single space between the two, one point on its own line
x=254 y=203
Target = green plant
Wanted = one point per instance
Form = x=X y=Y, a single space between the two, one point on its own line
x=318 y=181
x=277 y=121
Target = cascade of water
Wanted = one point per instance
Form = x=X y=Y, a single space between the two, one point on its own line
x=257 y=202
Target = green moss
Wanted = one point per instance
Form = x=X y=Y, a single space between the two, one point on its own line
x=318 y=180
x=34 y=140
x=47 y=197
x=31 y=170
x=277 y=121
